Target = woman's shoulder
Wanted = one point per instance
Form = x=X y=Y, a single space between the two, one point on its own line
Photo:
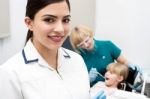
x=103 y=42
x=70 y=52
x=12 y=62
x=72 y=56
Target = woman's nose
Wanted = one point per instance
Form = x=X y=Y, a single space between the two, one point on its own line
x=59 y=27
x=86 y=44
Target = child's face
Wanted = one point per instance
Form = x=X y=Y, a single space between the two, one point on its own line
x=112 y=79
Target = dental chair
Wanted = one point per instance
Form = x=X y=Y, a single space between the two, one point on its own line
x=130 y=81
x=138 y=82
x=134 y=87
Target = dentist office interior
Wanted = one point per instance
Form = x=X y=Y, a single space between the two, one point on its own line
x=125 y=22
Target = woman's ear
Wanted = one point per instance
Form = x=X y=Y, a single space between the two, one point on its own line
x=29 y=23
x=120 y=78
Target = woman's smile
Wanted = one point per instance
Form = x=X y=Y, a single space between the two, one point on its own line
x=56 y=38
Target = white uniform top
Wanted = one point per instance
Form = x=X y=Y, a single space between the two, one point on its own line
x=28 y=76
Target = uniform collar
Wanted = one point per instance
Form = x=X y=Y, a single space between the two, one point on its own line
x=30 y=54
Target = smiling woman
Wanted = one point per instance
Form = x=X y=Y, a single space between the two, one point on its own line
x=4 y=18
x=43 y=69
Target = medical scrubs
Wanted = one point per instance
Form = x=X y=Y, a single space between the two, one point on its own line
x=28 y=76
x=104 y=52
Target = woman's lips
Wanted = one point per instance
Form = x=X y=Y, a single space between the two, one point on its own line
x=56 y=38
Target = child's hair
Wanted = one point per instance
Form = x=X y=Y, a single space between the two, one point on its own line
x=78 y=34
x=119 y=69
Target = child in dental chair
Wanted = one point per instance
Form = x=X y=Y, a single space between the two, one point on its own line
x=114 y=77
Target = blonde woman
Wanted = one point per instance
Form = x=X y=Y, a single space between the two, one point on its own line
x=97 y=54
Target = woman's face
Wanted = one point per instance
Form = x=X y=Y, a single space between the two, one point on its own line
x=87 y=43
x=50 y=26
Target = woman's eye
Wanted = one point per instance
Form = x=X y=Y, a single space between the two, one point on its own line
x=86 y=41
x=110 y=72
x=49 y=20
x=66 y=20
x=81 y=45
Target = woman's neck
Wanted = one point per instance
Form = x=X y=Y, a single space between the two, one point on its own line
x=50 y=56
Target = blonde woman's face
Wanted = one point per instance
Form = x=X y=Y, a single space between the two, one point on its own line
x=87 y=43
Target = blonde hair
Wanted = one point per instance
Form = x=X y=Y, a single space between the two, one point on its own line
x=119 y=69
x=78 y=34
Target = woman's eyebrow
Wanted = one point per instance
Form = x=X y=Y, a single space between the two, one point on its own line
x=48 y=15
x=67 y=16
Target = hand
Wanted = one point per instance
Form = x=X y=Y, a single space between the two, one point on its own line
x=93 y=74
x=100 y=95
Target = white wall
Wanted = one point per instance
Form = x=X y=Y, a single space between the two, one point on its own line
x=127 y=24
x=82 y=12
x=12 y=44
x=4 y=18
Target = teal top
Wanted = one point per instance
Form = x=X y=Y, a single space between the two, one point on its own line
x=104 y=52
